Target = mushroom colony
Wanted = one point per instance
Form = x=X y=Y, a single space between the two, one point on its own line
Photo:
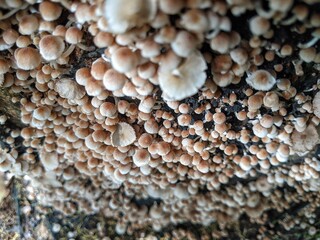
x=159 y=112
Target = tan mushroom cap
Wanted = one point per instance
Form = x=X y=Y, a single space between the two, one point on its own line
x=28 y=24
x=50 y=11
x=261 y=80
x=141 y=157
x=27 y=58
x=124 y=135
x=51 y=47
x=316 y=105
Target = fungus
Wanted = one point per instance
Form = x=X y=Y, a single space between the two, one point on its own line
x=49 y=160
x=50 y=11
x=69 y=89
x=316 y=104
x=141 y=157
x=51 y=47
x=27 y=58
x=124 y=60
x=122 y=15
x=306 y=140
x=186 y=79
x=124 y=135
x=261 y=80
x=259 y=25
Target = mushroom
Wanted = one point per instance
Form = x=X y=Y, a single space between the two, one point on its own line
x=261 y=80
x=305 y=141
x=27 y=58
x=186 y=79
x=68 y=88
x=124 y=135
x=123 y=15
x=51 y=47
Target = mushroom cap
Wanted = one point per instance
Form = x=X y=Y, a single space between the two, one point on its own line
x=50 y=11
x=186 y=79
x=68 y=88
x=49 y=160
x=27 y=58
x=124 y=60
x=316 y=104
x=261 y=80
x=51 y=47
x=306 y=140
x=124 y=135
x=122 y=15
x=141 y=157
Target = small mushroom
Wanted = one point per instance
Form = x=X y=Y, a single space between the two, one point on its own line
x=124 y=135
x=185 y=80
x=261 y=80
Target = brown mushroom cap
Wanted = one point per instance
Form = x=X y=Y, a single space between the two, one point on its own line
x=261 y=80
x=51 y=47
x=27 y=58
x=68 y=88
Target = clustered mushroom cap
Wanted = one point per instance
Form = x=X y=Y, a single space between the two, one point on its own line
x=122 y=15
x=261 y=80
x=186 y=79
x=124 y=135
x=27 y=58
x=51 y=47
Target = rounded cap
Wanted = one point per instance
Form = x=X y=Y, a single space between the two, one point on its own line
x=261 y=80
x=27 y=58
x=51 y=47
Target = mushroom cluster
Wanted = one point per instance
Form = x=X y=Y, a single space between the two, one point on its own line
x=166 y=100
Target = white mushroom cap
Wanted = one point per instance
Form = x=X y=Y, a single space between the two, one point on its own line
x=124 y=60
x=122 y=15
x=123 y=136
x=27 y=58
x=186 y=79
x=261 y=80
x=68 y=88
x=306 y=140
x=51 y=47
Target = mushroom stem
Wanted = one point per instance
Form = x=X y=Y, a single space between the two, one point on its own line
x=68 y=52
x=308 y=44
x=9 y=14
x=85 y=48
